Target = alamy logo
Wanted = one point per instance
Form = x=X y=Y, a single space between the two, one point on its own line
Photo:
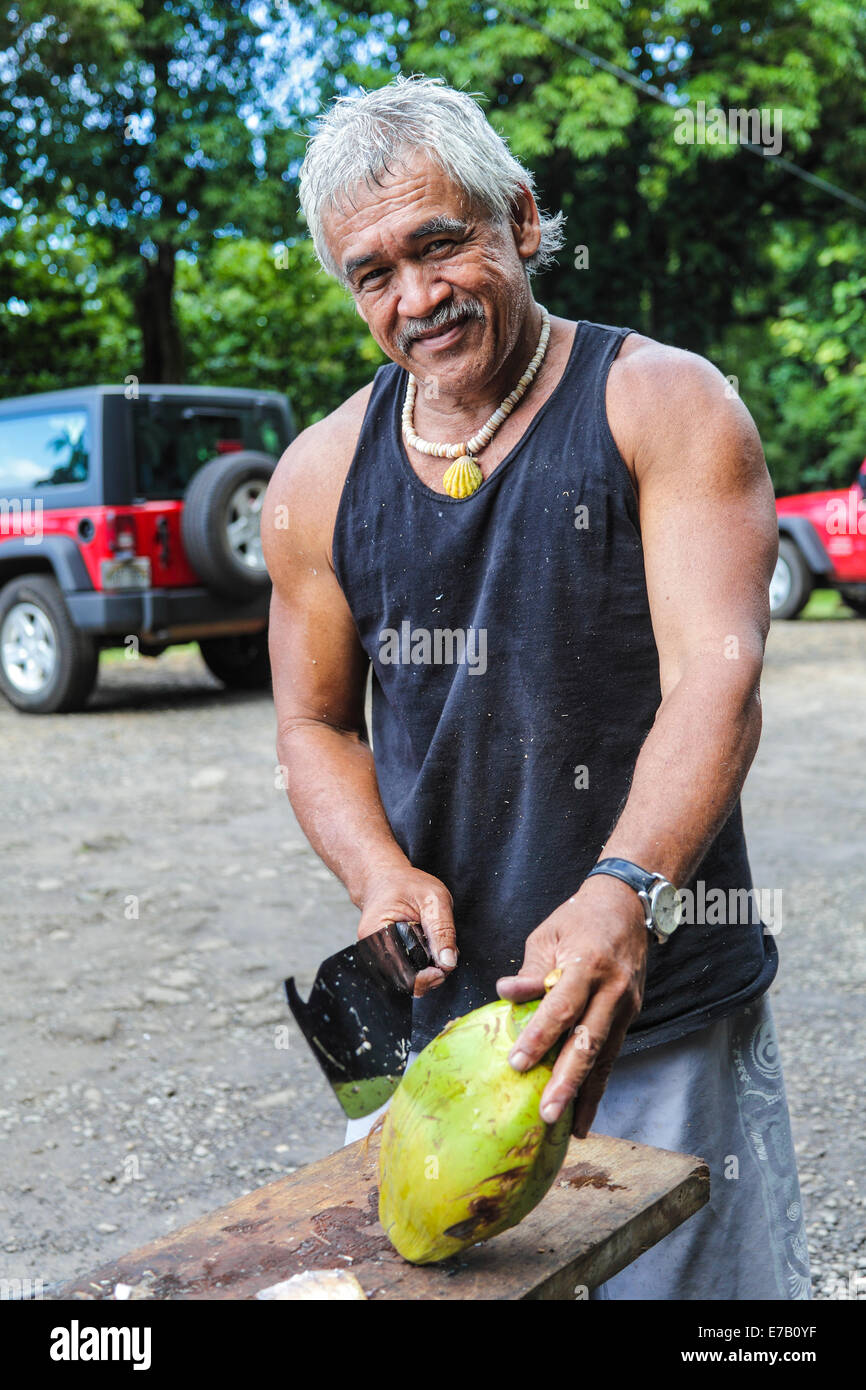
x=846 y=516
x=19 y=518
x=715 y=907
x=77 y=1343
x=438 y=646
x=21 y=1288
x=736 y=126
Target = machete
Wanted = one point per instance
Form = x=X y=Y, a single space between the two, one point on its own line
x=358 y=1018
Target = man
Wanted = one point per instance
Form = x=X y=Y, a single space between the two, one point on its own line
x=553 y=541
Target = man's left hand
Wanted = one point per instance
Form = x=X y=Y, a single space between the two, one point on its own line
x=599 y=940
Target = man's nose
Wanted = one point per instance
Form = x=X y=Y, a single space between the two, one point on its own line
x=420 y=292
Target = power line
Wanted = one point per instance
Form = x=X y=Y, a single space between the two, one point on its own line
x=650 y=90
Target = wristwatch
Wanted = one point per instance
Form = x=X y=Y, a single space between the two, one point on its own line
x=660 y=899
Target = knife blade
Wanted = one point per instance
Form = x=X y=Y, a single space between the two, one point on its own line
x=358 y=1018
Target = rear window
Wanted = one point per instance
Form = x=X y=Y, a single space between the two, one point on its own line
x=173 y=441
x=43 y=450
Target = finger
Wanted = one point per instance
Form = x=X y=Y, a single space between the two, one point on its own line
x=579 y=1055
x=539 y=959
x=426 y=980
x=556 y=1013
x=437 y=918
x=529 y=983
x=519 y=988
x=595 y=1084
x=374 y=917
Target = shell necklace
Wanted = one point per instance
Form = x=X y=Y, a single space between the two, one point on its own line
x=464 y=475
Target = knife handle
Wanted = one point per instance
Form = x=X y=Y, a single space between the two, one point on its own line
x=414 y=944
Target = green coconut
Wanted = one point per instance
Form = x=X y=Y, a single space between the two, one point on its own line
x=465 y=1153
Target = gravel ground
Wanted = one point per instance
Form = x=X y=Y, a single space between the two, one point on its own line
x=805 y=816
x=158 y=889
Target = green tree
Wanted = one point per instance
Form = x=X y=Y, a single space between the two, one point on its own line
x=801 y=346
x=154 y=123
x=267 y=317
x=149 y=153
x=65 y=317
x=704 y=245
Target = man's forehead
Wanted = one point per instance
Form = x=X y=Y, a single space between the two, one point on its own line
x=402 y=205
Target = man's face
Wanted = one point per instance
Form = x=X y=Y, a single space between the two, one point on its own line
x=442 y=288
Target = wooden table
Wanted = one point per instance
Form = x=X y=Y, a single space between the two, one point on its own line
x=612 y=1200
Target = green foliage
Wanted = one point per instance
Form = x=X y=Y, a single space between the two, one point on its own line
x=802 y=363
x=706 y=246
x=135 y=115
x=266 y=317
x=65 y=317
x=133 y=126
x=149 y=121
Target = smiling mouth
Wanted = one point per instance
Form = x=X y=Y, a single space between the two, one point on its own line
x=442 y=337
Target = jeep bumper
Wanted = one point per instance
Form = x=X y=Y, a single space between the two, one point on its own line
x=165 y=615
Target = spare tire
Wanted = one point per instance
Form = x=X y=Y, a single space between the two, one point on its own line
x=221 y=523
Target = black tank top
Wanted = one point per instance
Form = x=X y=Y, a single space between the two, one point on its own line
x=515 y=677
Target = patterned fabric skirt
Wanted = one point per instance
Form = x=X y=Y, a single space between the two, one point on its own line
x=718 y=1093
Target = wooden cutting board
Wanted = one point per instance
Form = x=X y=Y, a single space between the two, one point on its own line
x=612 y=1200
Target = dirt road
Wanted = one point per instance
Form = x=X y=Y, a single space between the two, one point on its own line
x=157 y=890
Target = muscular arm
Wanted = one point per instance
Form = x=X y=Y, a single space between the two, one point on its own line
x=319 y=677
x=709 y=535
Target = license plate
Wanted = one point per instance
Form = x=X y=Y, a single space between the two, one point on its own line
x=126 y=574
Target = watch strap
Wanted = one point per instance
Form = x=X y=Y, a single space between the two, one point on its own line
x=637 y=878
x=642 y=881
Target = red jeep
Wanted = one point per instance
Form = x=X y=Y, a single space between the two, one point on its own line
x=129 y=515
x=822 y=542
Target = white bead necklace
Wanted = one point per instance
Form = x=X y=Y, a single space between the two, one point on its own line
x=464 y=476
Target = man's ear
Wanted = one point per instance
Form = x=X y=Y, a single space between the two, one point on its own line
x=525 y=224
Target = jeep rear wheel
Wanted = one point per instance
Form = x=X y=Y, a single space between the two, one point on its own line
x=855 y=598
x=240 y=662
x=221 y=523
x=792 y=581
x=47 y=665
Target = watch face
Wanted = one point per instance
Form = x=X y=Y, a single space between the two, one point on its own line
x=667 y=909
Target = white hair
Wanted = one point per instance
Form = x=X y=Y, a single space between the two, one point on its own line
x=362 y=137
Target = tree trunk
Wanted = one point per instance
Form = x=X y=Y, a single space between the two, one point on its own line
x=161 y=341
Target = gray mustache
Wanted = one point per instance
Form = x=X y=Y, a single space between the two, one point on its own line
x=444 y=317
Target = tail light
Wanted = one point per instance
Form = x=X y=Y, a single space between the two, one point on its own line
x=122 y=536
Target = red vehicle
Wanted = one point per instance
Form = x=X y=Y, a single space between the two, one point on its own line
x=822 y=543
x=129 y=515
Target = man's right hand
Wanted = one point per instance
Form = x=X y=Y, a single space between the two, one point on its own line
x=409 y=895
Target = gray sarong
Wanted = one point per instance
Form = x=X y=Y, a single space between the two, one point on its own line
x=717 y=1093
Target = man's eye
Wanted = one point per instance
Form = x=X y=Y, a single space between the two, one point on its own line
x=441 y=241
x=371 y=276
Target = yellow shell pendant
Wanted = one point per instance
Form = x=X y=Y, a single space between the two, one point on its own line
x=463 y=477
